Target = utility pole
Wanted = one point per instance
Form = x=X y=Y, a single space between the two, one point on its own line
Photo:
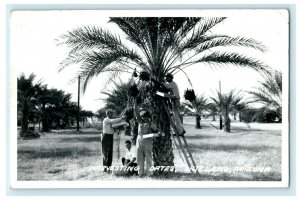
x=78 y=103
x=221 y=123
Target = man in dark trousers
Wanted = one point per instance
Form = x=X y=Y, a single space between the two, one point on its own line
x=108 y=138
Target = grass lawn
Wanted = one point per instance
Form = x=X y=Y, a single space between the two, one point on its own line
x=251 y=152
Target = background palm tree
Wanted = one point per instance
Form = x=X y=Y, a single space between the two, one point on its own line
x=100 y=113
x=38 y=103
x=213 y=110
x=117 y=98
x=183 y=111
x=238 y=109
x=227 y=103
x=27 y=93
x=197 y=107
x=51 y=105
x=84 y=114
x=157 y=46
x=269 y=94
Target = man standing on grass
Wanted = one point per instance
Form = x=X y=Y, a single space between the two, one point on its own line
x=144 y=145
x=108 y=138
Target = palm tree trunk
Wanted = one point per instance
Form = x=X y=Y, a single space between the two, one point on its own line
x=221 y=122
x=226 y=122
x=162 y=146
x=24 y=123
x=198 y=119
x=33 y=124
x=45 y=123
x=240 y=116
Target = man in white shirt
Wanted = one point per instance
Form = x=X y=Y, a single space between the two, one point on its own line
x=108 y=138
x=130 y=157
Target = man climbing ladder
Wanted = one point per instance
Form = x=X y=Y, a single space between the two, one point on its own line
x=172 y=87
x=174 y=119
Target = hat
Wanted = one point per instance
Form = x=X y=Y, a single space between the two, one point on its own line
x=169 y=75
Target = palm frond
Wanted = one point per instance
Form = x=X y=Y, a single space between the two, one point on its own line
x=172 y=39
x=260 y=97
x=198 y=35
x=236 y=59
x=198 y=105
x=94 y=63
x=89 y=37
x=224 y=41
x=158 y=45
x=227 y=101
x=135 y=30
x=270 y=91
x=117 y=97
x=209 y=23
x=189 y=80
x=112 y=76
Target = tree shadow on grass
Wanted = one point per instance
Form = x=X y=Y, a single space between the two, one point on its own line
x=56 y=153
x=180 y=176
x=193 y=137
x=234 y=132
x=82 y=139
x=254 y=130
x=229 y=147
x=246 y=130
x=62 y=132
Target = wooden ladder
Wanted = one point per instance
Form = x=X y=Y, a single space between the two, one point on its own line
x=182 y=143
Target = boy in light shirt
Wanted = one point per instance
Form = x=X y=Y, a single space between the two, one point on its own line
x=130 y=157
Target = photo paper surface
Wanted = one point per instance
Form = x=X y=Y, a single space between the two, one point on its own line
x=210 y=85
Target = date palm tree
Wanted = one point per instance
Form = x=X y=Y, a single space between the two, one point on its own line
x=100 y=113
x=116 y=98
x=26 y=96
x=158 y=46
x=227 y=104
x=213 y=110
x=238 y=109
x=269 y=93
x=197 y=107
x=54 y=106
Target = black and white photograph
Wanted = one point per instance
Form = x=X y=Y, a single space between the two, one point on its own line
x=194 y=98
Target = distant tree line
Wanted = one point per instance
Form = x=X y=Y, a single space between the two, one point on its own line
x=47 y=108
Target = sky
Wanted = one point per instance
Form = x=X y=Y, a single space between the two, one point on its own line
x=33 y=48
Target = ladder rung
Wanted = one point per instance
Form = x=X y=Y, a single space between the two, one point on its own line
x=184 y=147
